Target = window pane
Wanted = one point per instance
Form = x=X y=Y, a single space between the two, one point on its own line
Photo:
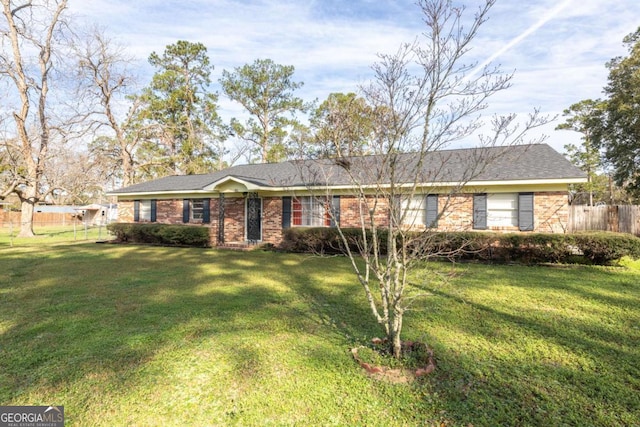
x=317 y=213
x=197 y=208
x=502 y=210
x=308 y=211
x=414 y=211
x=145 y=210
x=296 y=212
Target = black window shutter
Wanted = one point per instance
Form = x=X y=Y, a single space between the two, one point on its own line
x=185 y=210
x=206 y=211
x=154 y=210
x=480 y=211
x=525 y=211
x=286 y=212
x=335 y=208
x=432 y=210
x=136 y=210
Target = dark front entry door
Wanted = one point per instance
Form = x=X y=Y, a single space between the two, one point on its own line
x=254 y=219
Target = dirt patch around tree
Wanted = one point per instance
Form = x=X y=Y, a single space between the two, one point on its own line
x=420 y=354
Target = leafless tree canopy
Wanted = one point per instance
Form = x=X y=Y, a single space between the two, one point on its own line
x=30 y=32
x=424 y=97
x=104 y=79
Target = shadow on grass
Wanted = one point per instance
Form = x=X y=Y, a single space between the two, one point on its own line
x=540 y=365
x=78 y=313
x=89 y=319
x=606 y=285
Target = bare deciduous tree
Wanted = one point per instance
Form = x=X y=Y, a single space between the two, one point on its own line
x=29 y=32
x=425 y=98
x=8 y=179
x=105 y=79
x=72 y=177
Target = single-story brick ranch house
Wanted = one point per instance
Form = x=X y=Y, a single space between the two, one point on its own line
x=516 y=188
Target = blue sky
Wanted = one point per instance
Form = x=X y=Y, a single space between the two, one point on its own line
x=557 y=48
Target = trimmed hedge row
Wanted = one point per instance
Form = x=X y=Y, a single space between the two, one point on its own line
x=160 y=234
x=528 y=248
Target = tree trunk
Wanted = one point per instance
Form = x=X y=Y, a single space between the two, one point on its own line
x=395 y=332
x=26 y=215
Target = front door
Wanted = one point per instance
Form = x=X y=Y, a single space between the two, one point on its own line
x=254 y=218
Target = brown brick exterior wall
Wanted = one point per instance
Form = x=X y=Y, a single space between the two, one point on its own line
x=457 y=212
x=272 y=220
x=169 y=211
x=234 y=209
x=350 y=211
x=125 y=210
x=550 y=213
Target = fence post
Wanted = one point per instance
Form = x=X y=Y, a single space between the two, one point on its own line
x=613 y=219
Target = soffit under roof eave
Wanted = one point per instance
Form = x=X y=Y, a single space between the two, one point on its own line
x=157 y=193
x=449 y=184
x=537 y=181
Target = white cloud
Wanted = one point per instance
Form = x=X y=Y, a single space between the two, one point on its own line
x=558 y=49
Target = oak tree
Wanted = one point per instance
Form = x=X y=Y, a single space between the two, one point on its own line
x=342 y=125
x=30 y=33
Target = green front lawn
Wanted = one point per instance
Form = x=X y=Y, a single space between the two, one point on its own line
x=135 y=335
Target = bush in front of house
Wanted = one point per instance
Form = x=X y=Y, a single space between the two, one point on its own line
x=456 y=245
x=313 y=239
x=534 y=248
x=603 y=247
x=526 y=248
x=326 y=240
x=160 y=234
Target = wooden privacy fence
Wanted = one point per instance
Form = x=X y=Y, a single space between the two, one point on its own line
x=40 y=219
x=619 y=218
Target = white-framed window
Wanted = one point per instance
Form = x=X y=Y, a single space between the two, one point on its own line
x=414 y=211
x=145 y=210
x=420 y=210
x=197 y=209
x=307 y=211
x=502 y=210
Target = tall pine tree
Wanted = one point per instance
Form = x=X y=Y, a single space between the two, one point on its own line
x=621 y=119
x=266 y=91
x=181 y=113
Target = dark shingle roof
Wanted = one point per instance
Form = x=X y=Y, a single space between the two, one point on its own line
x=514 y=163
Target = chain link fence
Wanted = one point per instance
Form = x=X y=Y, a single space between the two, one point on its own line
x=55 y=227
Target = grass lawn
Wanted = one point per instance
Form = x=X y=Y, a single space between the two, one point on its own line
x=145 y=336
